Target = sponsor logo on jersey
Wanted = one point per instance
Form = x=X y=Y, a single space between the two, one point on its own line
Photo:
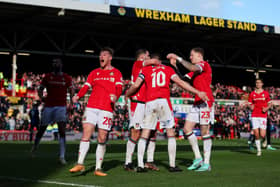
x=112 y=79
x=257 y=99
x=57 y=83
x=103 y=78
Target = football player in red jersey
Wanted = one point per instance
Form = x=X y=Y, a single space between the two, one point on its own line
x=57 y=83
x=136 y=115
x=260 y=103
x=201 y=74
x=158 y=107
x=106 y=84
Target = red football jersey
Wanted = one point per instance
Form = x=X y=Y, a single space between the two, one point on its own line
x=141 y=94
x=202 y=82
x=157 y=79
x=56 y=86
x=103 y=84
x=259 y=100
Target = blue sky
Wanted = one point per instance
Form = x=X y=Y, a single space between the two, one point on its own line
x=257 y=11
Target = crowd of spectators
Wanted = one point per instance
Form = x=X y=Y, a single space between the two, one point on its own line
x=32 y=81
x=227 y=117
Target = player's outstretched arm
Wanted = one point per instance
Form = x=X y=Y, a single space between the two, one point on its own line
x=188 y=65
x=188 y=87
x=173 y=62
x=150 y=62
x=134 y=87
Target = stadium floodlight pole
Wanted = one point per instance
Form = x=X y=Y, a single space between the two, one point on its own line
x=14 y=69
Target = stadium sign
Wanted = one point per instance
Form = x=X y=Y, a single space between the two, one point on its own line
x=158 y=15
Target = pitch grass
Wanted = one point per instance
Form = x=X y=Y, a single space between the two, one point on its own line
x=232 y=165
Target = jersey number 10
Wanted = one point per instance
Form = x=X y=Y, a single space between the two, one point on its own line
x=158 y=79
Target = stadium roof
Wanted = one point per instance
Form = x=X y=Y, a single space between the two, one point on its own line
x=38 y=29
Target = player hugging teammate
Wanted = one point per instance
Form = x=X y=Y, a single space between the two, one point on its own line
x=149 y=105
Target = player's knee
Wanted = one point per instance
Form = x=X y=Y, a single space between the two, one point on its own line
x=170 y=132
x=145 y=133
x=102 y=139
x=187 y=130
x=204 y=132
x=135 y=138
x=86 y=135
x=135 y=134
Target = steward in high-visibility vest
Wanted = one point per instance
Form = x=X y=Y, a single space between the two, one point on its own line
x=55 y=127
x=49 y=129
x=5 y=83
x=17 y=88
x=1 y=76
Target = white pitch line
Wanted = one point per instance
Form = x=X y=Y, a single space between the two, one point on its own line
x=46 y=181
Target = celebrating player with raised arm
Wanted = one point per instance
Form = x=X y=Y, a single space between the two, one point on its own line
x=106 y=84
x=136 y=114
x=158 y=107
x=260 y=103
x=201 y=73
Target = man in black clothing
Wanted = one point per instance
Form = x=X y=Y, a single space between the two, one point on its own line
x=35 y=120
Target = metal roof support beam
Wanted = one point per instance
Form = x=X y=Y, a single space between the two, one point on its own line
x=120 y=46
x=6 y=41
x=58 y=48
x=25 y=41
x=76 y=42
x=251 y=60
x=93 y=40
x=234 y=56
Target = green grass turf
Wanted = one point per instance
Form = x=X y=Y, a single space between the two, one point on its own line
x=232 y=165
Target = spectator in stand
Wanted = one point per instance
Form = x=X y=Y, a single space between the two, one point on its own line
x=12 y=123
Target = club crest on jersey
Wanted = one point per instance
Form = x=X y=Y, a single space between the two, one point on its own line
x=98 y=73
x=263 y=95
x=112 y=73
